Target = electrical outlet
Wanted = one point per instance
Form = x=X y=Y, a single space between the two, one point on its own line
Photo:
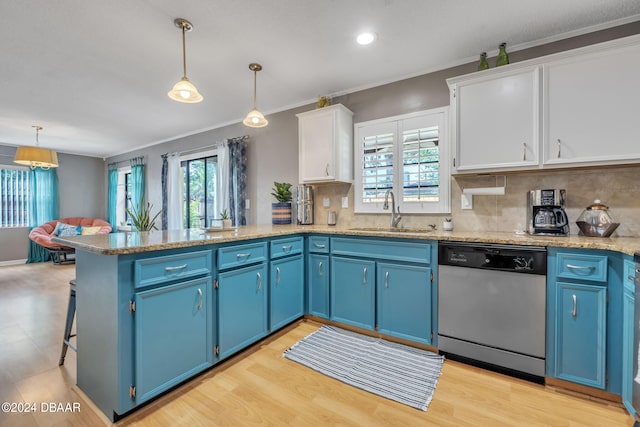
x=247 y=204
x=326 y=202
x=466 y=202
x=345 y=202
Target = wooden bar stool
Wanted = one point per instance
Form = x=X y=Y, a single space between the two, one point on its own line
x=71 y=312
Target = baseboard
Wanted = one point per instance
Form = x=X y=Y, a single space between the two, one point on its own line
x=13 y=262
x=583 y=391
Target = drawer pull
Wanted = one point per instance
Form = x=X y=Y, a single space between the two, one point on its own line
x=243 y=255
x=575 y=305
x=287 y=248
x=364 y=276
x=386 y=279
x=259 y=277
x=277 y=275
x=200 y=296
x=524 y=151
x=559 y=148
x=580 y=267
x=177 y=267
x=320 y=269
x=319 y=245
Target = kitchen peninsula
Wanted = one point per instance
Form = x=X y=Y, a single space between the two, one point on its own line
x=156 y=308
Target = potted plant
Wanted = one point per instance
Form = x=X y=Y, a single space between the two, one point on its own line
x=226 y=221
x=141 y=219
x=281 y=210
x=447 y=224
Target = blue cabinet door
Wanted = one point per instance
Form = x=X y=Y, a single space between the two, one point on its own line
x=286 y=286
x=628 y=301
x=318 y=285
x=353 y=291
x=242 y=308
x=173 y=338
x=581 y=330
x=404 y=301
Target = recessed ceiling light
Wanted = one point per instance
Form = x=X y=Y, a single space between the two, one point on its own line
x=365 y=38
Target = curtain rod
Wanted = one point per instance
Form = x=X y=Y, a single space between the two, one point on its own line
x=195 y=150
x=131 y=160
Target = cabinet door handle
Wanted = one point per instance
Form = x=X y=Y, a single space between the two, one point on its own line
x=559 y=146
x=319 y=245
x=200 y=301
x=320 y=269
x=242 y=255
x=581 y=267
x=277 y=275
x=364 y=275
x=326 y=170
x=259 y=280
x=177 y=267
x=524 y=151
x=287 y=248
x=575 y=305
x=386 y=279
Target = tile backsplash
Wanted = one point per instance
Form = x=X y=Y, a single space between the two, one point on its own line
x=617 y=187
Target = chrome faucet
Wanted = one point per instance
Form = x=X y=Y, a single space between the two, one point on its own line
x=395 y=215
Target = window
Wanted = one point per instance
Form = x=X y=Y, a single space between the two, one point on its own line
x=199 y=192
x=127 y=196
x=14 y=194
x=124 y=198
x=405 y=154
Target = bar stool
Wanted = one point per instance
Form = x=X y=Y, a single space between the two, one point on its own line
x=71 y=311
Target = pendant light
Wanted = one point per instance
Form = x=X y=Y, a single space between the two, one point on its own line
x=37 y=156
x=184 y=90
x=255 y=119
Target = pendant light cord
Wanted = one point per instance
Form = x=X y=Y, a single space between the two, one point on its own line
x=255 y=76
x=184 y=54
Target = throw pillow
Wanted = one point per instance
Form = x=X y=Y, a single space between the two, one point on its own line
x=63 y=229
x=90 y=230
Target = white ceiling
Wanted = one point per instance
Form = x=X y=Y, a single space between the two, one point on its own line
x=95 y=74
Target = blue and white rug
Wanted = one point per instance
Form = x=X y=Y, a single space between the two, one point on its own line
x=405 y=374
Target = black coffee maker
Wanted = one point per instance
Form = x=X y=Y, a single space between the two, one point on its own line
x=546 y=214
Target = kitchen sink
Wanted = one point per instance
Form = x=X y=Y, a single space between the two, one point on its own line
x=394 y=230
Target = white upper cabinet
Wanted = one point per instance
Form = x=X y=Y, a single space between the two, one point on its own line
x=570 y=109
x=496 y=120
x=592 y=107
x=325 y=145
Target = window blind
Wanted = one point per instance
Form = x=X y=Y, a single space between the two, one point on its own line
x=14 y=193
x=420 y=165
x=377 y=170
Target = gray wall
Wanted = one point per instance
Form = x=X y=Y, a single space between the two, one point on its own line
x=81 y=183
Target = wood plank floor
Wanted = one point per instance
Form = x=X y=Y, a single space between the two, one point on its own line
x=258 y=387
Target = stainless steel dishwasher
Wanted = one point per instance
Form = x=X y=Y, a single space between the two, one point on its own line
x=492 y=306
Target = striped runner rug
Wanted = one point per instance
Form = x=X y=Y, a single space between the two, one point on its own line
x=405 y=374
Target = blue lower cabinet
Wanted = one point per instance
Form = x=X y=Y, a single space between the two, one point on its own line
x=173 y=337
x=628 y=302
x=353 y=291
x=404 y=301
x=242 y=308
x=318 y=285
x=581 y=334
x=286 y=294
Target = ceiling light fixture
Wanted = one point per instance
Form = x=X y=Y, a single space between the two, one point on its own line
x=184 y=90
x=365 y=38
x=255 y=119
x=36 y=156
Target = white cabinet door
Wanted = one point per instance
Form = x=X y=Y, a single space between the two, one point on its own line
x=497 y=121
x=325 y=145
x=591 y=108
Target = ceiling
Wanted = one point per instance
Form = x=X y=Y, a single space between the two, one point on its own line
x=95 y=74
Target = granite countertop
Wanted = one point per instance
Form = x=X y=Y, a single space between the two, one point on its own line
x=136 y=242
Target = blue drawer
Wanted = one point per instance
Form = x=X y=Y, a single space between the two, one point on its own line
x=153 y=271
x=384 y=249
x=284 y=247
x=318 y=244
x=583 y=267
x=239 y=255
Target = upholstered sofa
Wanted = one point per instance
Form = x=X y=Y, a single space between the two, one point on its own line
x=42 y=234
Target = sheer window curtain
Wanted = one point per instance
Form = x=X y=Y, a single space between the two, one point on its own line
x=43 y=207
x=172 y=198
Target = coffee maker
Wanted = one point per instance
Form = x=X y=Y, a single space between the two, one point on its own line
x=545 y=212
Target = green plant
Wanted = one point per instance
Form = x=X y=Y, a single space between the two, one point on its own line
x=224 y=214
x=282 y=192
x=141 y=218
x=448 y=219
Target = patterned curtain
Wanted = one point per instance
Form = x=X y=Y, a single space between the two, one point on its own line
x=112 y=197
x=238 y=179
x=163 y=179
x=43 y=189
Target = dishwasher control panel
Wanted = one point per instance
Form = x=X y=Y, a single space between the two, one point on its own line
x=521 y=259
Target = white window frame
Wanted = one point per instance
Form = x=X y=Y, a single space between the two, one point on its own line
x=397 y=125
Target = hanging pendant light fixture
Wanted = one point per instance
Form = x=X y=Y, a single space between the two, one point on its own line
x=184 y=90
x=255 y=119
x=37 y=156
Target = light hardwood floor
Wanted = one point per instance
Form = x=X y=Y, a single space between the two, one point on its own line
x=258 y=387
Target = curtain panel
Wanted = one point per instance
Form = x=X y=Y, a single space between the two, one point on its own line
x=137 y=184
x=238 y=179
x=112 y=197
x=43 y=207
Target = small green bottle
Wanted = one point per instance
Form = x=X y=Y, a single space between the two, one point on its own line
x=483 y=62
x=503 y=58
